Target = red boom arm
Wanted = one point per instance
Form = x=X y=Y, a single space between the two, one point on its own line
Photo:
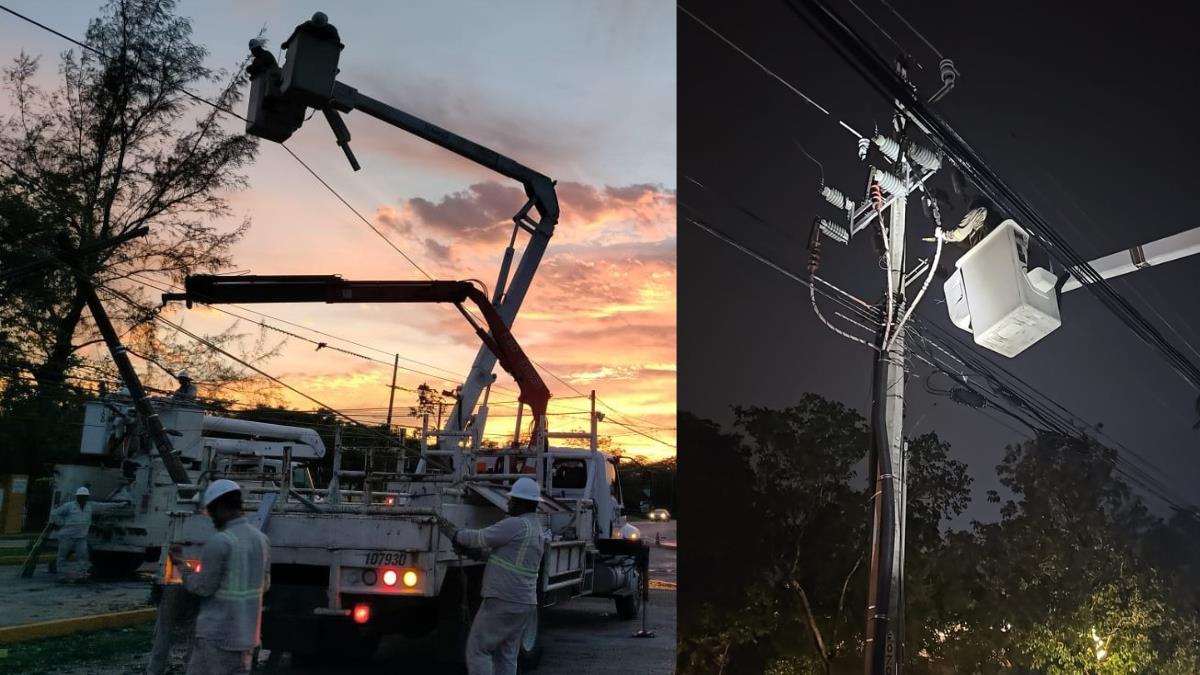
x=213 y=290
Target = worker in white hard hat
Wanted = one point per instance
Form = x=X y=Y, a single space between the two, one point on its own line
x=187 y=388
x=234 y=573
x=510 y=579
x=73 y=520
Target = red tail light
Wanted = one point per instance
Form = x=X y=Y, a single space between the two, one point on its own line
x=362 y=613
x=389 y=577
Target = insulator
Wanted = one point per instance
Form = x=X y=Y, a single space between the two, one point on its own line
x=833 y=231
x=834 y=196
x=876 y=197
x=927 y=158
x=948 y=71
x=864 y=144
x=890 y=183
x=889 y=147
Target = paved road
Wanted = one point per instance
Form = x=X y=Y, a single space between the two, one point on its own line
x=582 y=637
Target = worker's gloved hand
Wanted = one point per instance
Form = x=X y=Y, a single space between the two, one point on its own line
x=472 y=553
x=448 y=528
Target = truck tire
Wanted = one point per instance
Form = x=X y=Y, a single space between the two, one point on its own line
x=530 y=656
x=115 y=564
x=630 y=606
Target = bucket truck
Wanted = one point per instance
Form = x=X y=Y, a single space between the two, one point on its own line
x=350 y=566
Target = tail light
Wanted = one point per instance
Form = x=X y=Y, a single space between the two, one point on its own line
x=390 y=577
x=362 y=613
x=410 y=578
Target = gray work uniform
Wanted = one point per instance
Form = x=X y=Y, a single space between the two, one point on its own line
x=509 y=591
x=235 y=569
x=73 y=525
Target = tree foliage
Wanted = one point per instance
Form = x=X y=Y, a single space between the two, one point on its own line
x=111 y=142
x=809 y=527
x=115 y=145
x=1078 y=575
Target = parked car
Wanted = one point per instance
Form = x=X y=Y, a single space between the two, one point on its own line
x=660 y=514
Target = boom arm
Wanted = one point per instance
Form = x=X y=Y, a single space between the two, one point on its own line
x=1173 y=247
x=278 y=104
x=213 y=290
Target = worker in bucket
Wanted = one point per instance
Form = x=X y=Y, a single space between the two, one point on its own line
x=187 y=388
x=233 y=575
x=73 y=520
x=509 y=581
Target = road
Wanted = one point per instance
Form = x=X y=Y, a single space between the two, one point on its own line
x=582 y=637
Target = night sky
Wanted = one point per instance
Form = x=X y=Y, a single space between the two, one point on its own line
x=1087 y=111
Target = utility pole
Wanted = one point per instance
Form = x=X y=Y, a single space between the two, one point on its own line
x=885 y=619
x=908 y=167
x=392 y=392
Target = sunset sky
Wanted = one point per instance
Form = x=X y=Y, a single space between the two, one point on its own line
x=583 y=92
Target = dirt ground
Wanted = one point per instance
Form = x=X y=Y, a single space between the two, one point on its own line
x=582 y=637
x=42 y=598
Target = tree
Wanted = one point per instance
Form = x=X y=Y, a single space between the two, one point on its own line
x=804 y=539
x=118 y=144
x=1063 y=583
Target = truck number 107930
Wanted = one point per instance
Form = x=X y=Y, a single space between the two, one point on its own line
x=387 y=558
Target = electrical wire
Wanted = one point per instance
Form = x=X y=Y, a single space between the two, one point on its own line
x=937 y=256
x=304 y=164
x=172 y=287
x=904 y=52
x=717 y=234
x=881 y=77
x=929 y=44
x=1063 y=421
x=812 y=296
x=876 y=198
x=1136 y=475
x=249 y=366
x=767 y=70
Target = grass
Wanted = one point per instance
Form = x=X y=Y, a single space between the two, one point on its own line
x=53 y=654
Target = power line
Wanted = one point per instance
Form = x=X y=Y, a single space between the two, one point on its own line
x=217 y=348
x=289 y=150
x=1137 y=475
x=881 y=77
x=862 y=309
x=355 y=211
x=183 y=90
x=767 y=70
x=323 y=345
x=916 y=32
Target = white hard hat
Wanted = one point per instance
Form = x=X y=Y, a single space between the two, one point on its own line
x=527 y=489
x=219 y=487
x=183 y=374
x=83 y=492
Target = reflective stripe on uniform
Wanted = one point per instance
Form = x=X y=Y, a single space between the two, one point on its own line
x=236 y=584
x=515 y=566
